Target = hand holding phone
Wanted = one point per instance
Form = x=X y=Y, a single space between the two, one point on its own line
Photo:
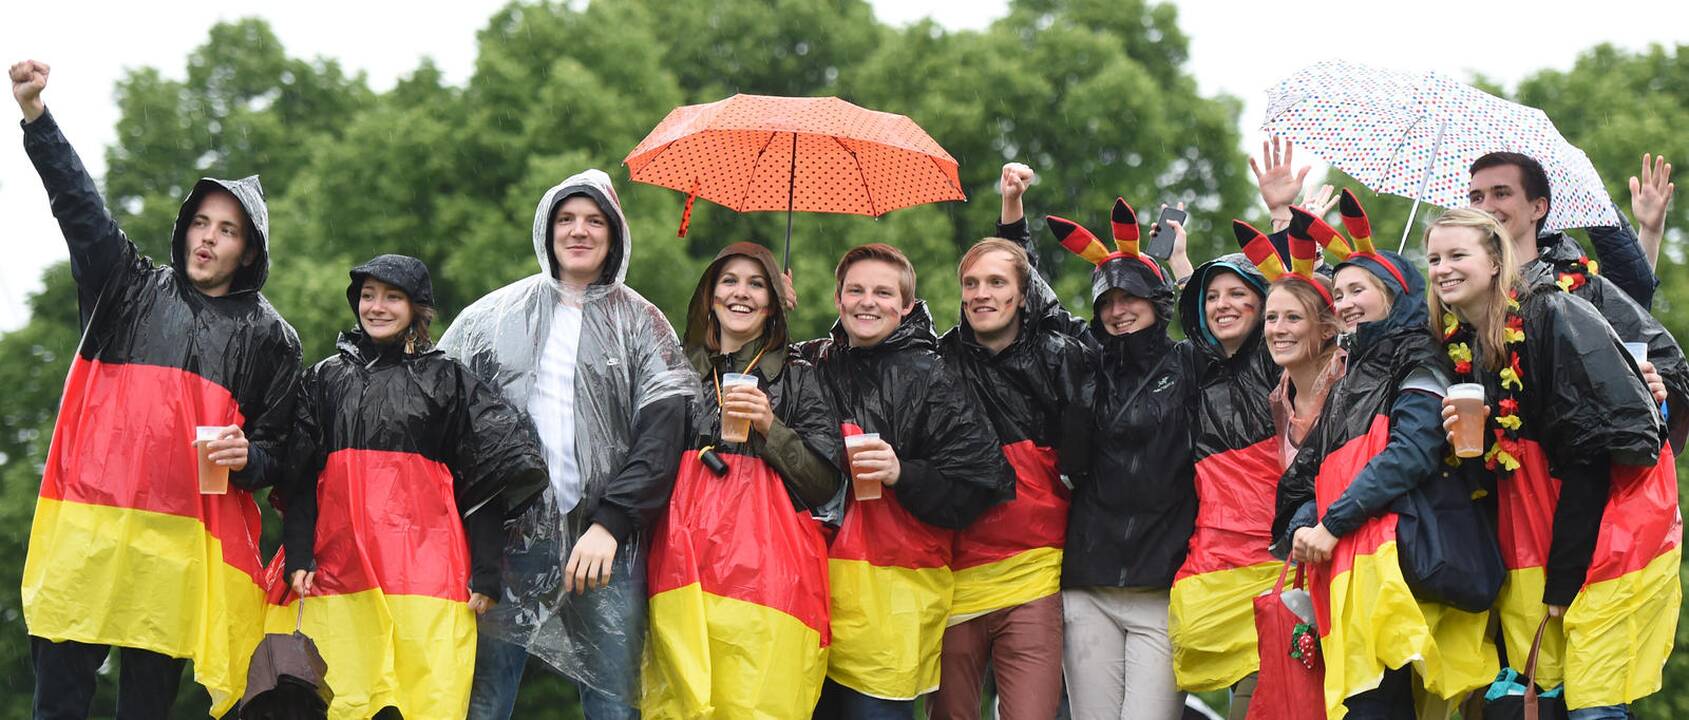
x=1161 y=236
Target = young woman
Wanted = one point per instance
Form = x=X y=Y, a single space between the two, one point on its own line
x=1377 y=437
x=738 y=569
x=1586 y=496
x=1301 y=334
x=1211 y=615
x=402 y=469
x=1134 y=501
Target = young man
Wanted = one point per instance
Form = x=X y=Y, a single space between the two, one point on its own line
x=940 y=467
x=1027 y=376
x=1515 y=190
x=603 y=378
x=131 y=546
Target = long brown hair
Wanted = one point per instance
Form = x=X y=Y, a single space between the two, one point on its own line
x=773 y=330
x=1492 y=331
x=1326 y=323
x=417 y=337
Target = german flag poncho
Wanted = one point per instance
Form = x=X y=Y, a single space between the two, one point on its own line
x=1368 y=618
x=1579 y=401
x=390 y=453
x=124 y=550
x=1211 y=616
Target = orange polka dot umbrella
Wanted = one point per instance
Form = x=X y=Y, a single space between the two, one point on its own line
x=757 y=153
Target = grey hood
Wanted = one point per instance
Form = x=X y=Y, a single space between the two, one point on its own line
x=251 y=196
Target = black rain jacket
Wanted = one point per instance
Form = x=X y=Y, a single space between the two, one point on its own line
x=1585 y=409
x=1134 y=494
x=136 y=313
x=952 y=466
x=373 y=396
x=1631 y=321
x=803 y=443
x=1232 y=409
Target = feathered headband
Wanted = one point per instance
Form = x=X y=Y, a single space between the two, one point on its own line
x=1304 y=255
x=1359 y=245
x=1081 y=242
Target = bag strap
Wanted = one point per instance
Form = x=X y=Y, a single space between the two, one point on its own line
x=1278 y=587
x=1531 y=710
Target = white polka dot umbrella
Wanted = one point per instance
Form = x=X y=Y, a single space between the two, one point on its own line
x=1417 y=134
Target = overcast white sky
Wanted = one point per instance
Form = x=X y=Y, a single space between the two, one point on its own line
x=1237 y=48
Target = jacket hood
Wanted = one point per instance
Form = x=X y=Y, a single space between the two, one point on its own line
x=1193 y=300
x=1133 y=277
x=401 y=271
x=698 y=311
x=594 y=184
x=1408 y=310
x=250 y=193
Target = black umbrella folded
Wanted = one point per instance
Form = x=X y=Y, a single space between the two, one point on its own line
x=286 y=678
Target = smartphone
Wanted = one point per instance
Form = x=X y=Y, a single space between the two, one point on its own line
x=1161 y=237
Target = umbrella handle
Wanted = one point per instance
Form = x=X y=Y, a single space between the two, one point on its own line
x=1424 y=182
x=299 y=619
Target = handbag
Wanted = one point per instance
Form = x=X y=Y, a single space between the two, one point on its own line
x=1514 y=697
x=1291 y=685
x=1446 y=545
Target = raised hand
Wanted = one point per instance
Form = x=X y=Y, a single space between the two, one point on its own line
x=1650 y=195
x=1319 y=202
x=1279 y=181
x=1179 y=262
x=1012 y=186
x=29 y=78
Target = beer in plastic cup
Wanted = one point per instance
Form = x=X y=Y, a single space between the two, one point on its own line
x=735 y=430
x=1639 y=351
x=854 y=444
x=1468 y=400
x=213 y=478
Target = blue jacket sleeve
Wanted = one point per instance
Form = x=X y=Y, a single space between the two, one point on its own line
x=1411 y=456
x=1303 y=517
x=1623 y=261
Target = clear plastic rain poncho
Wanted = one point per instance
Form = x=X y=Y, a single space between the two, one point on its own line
x=628 y=358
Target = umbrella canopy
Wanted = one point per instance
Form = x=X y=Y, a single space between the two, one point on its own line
x=755 y=153
x=1417 y=134
x=285 y=679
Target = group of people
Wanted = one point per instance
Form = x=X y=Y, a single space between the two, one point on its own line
x=732 y=523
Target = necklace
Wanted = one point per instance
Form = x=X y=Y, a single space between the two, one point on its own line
x=1504 y=423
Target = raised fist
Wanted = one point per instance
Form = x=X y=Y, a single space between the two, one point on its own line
x=29 y=78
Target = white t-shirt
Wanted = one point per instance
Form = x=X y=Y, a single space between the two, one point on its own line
x=552 y=405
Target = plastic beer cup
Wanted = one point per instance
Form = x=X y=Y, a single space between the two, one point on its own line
x=1638 y=351
x=854 y=444
x=735 y=430
x=213 y=478
x=1468 y=399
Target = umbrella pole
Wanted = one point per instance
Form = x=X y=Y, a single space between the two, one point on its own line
x=1424 y=182
x=791 y=191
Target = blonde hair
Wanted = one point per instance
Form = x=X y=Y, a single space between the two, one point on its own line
x=1326 y=323
x=1017 y=257
x=1492 y=331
